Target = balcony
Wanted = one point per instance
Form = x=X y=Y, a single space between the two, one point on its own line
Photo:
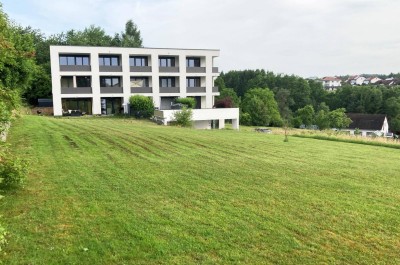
x=111 y=90
x=195 y=90
x=135 y=90
x=215 y=70
x=215 y=89
x=173 y=69
x=75 y=68
x=110 y=68
x=76 y=90
x=195 y=69
x=169 y=90
x=140 y=69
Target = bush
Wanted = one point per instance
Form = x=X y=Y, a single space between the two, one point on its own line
x=245 y=119
x=141 y=106
x=188 y=102
x=183 y=117
x=224 y=103
x=13 y=171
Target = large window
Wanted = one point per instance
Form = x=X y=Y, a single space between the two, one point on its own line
x=166 y=61
x=139 y=82
x=74 y=60
x=192 y=62
x=193 y=82
x=109 y=60
x=83 y=81
x=167 y=81
x=138 y=61
x=67 y=81
x=110 y=81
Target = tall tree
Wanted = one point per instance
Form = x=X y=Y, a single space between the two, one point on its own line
x=131 y=37
x=260 y=104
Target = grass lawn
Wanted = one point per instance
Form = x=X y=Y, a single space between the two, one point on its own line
x=120 y=191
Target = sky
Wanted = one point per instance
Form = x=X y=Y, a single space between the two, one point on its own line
x=301 y=37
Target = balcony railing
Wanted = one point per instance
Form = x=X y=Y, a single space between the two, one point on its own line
x=76 y=90
x=215 y=70
x=215 y=89
x=169 y=90
x=141 y=90
x=195 y=69
x=75 y=68
x=140 y=69
x=110 y=68
x=195 y=89
x=169 y=69
x=111 y=90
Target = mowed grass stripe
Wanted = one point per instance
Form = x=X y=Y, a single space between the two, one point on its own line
x=207 y=197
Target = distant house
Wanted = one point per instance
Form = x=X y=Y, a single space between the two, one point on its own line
x=371 y=80
x=368 y=124
x=356 y=80
x=331 y=83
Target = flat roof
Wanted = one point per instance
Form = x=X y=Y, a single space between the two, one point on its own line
x=154 y=48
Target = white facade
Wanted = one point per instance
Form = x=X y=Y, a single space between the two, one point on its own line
x=331 y=83
x=93 y=78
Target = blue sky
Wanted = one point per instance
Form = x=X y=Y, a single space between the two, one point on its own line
x=302 y=37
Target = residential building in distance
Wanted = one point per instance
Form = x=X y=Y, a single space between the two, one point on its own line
x=356 y=80
x=371 y=80
x=100 y=81
x=368 y=124
x=331 y=83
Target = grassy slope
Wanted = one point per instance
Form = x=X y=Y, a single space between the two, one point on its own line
x=133 y=192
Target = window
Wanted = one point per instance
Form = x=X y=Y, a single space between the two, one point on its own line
x=83 y=81
x=74 y=60
x=109 y=60
x=110 y=81
x=166 y=61
x=139 y=82
x=167 y=81
x=138 y=61
x=67 y=81
x=192 y=62
x=193 y=82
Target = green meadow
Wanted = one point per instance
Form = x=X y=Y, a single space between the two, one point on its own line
x=121 y=191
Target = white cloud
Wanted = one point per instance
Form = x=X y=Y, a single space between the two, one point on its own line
x=307 y=37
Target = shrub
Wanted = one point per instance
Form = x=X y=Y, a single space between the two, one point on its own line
x=188 y=102
x=13 y=171
x=245 y=119
x=224 y=103
x=183 y=117
x=141 y=106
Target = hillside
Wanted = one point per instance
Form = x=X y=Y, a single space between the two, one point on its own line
x=116 y=191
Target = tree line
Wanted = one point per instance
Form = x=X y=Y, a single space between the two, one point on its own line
x=289 y=98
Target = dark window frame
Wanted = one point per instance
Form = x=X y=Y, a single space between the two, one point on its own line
x=193 y=62
x=87 y=80
x=68 y=59
x=138 y=61
x=113 y=81
x=168 y=81
x=193 y=82
x=109 y=60
x=165 y=61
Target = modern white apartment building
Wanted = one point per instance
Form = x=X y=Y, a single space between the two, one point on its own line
x=100 y=81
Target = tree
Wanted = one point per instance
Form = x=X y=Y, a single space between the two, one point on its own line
x=338 y=119
x=392 y=107
x=188 y=102
x=394 y=124
x=306 y=115
x=231 y=94
x=131 y=37
x=141 y=106
x=260 y=104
